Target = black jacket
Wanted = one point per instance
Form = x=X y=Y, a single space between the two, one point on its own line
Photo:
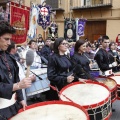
x=82 y=61
x=45 y=52
x=6 y=84
x=102 y=59
x=59 y=68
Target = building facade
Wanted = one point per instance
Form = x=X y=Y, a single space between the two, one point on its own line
x=103 y=16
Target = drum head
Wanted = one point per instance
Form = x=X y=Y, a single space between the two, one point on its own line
x=110 y=83
x=89 y=94
x=57 y=110
x=116 y=78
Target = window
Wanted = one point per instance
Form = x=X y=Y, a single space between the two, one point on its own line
x=85 y=2
x=52 y=3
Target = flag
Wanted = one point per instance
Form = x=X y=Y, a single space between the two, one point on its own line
x=19 y=19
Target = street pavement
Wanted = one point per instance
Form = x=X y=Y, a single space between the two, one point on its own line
x=116 y=114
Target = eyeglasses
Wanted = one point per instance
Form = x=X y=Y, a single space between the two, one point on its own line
x=64 y=43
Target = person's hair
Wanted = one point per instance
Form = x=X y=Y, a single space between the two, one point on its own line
x=88 y=45
x=105 y=38
x=31 y=41
x=78 y=44
x=11 y=46
x=111 y=44
x=5 y=27
x=48 y=38
x=57 y=42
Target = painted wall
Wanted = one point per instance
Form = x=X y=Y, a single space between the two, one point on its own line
x=111 y=15
x=113 y=29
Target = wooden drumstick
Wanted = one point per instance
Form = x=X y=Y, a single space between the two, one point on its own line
x=29 y=61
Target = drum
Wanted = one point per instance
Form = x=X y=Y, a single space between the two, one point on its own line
x=111 y=84
x=93 y=96
x=117 y=79
x=53 y=110
x=39 y=86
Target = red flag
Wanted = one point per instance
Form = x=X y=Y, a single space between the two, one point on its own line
x=20 y=21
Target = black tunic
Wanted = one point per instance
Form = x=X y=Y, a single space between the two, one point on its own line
x=59 y=68
x=112 y=59
x=84 y=62
x=45 y=52
x=102 y=59
x=6 y=85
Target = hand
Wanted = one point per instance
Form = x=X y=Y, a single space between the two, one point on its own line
x=82 y=80
x=25 y=83
x=70 y=78
x=114 y=64
x=110 y=65
x=23 y=104
x=33 y=78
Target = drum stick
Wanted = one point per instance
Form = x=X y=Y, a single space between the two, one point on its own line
x=54 y=88
x=29 y=61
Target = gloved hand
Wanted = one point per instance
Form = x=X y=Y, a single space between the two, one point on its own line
x=114 y=64
x=110 y=65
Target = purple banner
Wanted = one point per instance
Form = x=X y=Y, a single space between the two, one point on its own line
x=81 y=27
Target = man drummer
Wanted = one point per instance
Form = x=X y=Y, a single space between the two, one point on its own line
x=10 y=85
x=102 y=57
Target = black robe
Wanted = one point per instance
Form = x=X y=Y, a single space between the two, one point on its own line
x=102 y=59
x=59 y=68
x=112 y=59
x=6 y=84
x=45 y=52
x=82 y=60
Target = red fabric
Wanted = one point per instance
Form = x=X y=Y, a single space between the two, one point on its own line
x=19 y=19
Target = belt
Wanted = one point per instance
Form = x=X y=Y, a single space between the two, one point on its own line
x=4 y=103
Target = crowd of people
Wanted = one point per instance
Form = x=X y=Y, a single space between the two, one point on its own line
x=66 y=63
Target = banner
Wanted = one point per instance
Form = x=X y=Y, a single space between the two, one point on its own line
x=44 y=16
x=33 y=21
x=70 y=30
x=53 y=31
x=19 y=19
x=81 y=27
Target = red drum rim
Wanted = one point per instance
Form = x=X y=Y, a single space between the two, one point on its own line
x=115 y=87
x=55 y=102
x=89 y=82
x=113 y=79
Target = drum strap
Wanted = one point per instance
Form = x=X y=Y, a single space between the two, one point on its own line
x=79 y=67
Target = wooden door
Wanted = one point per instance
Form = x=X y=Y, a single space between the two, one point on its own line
x=94 y=29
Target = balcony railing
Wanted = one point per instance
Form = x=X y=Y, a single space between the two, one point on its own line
x=92 y=4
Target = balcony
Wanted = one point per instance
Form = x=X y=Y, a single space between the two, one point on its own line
x=86 y=4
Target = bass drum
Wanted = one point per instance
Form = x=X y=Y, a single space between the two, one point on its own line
x=117 y=79
x=111 y=84
x=93 y=96
x=52 y=110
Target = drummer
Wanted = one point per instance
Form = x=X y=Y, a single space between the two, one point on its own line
x=102 y=57
x=80 y=58
x=113 y=56
x=60 y=68
x=10 y=85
